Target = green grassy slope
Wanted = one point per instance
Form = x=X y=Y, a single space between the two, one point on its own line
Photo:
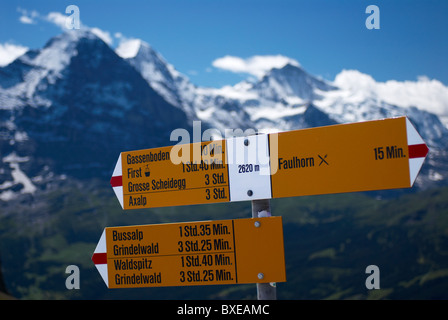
x=329 y=241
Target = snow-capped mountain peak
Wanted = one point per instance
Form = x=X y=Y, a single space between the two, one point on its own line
x=291 y=81
x=35 y=70
x=71 y=107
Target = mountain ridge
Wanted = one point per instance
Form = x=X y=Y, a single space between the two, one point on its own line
x=68 y=109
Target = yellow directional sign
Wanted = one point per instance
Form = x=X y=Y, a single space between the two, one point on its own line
x=152 y=178
x=193 y=253
x=363 y=156
x=371 y=155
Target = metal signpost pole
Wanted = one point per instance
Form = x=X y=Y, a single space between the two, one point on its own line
x=265 y=291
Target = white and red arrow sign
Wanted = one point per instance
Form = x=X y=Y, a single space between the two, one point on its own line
x=99 y=258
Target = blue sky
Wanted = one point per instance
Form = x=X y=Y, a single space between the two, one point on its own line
x=325 y=37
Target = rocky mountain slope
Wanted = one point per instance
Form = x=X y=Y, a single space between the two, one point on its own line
x=68 y=109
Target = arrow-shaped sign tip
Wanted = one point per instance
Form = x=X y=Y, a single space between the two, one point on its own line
x=99 y=258
x=418 y=150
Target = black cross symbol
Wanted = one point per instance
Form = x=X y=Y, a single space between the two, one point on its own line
x=323 y=159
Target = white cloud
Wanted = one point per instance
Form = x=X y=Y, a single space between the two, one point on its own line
x=57 y=18
x=60 y=20
x=32 y=17
x=9 y=52
x=255 y=65
x=26 y=20
x=27 y=17
x=103 y=35
x=427 y=94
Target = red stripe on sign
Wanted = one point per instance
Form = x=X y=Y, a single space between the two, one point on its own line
x=418 y=151
x=116 y=181
x=99 y=258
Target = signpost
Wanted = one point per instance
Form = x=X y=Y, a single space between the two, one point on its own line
x=365 y=156
x=373 y=155
x=193 y=253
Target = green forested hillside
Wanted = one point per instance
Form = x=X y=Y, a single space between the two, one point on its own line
x=329 y=241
